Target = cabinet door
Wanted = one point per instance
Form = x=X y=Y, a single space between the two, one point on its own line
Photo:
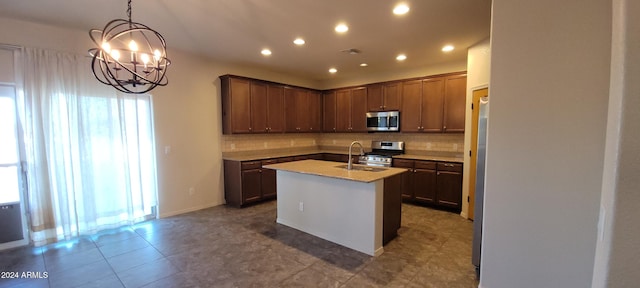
x=455 y=103
x=251 y=183
x=240 y=105
x=374 y=98
x=315 y=111
x=332 y=157
x=275 y=108
x=303 y=117
x=424 y=182
x=406 y=185
x=268 y=180
x=432 y=104
x=410 y=117
x=449 y=189
x=343 y=110
x=258 y=93
x=329 y=111
x=359 y=110
x=290 y=110
x=391 y=96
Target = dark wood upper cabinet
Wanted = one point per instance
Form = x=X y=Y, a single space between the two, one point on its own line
x=454 y=103
x=432 y=104
x=236 y=105
x=251 y=106
x=351 y=110
x=329 y=111
x=275 y=108
x=303 y=110
x=259 y=100
x=359 y=110
x=383 y=97
x=314 y=110
x=290 y=110
x=374 y=98
x=411 y=114
x=343 y=110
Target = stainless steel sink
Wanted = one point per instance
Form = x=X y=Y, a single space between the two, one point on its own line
x=363 y=168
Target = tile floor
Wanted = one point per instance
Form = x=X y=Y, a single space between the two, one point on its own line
x=229 y=247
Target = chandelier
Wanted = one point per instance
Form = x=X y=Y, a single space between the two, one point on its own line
x=129 y=56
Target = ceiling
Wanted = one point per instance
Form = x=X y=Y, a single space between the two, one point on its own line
x=235 y=31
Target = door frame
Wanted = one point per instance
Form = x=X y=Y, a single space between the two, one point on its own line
x=476 y=94
x=22 y=177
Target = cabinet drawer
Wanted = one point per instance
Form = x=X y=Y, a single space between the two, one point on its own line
x=403 y=163
x=452 y=167
x=425 y=165
x=285 y=159
x=269 y=162
x=251 y=165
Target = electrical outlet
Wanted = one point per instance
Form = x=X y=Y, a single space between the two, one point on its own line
x=301 y=206
x=191 y=191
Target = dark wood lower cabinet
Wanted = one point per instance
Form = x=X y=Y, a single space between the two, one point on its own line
x=247 y=182
x=392 y=207
x=251 y=185
x=268 y=180
x=424 y=182
x=432 y=183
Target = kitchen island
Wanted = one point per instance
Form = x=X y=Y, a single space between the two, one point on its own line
x=359 y=208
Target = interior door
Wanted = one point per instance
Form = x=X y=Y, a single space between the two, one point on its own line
x=477 y=94
x=13 y=221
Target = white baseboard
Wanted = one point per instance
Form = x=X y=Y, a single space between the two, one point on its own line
x=191 y=209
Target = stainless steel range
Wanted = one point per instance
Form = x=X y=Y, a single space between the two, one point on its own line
x=382 y=153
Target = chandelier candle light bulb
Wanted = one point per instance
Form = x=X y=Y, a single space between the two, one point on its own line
x=141 y=42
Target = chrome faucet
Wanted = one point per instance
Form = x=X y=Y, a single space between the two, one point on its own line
x=350 y=163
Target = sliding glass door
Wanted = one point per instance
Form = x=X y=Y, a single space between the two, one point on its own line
x=12 y=223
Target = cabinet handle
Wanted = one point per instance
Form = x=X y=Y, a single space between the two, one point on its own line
x=310 y=128
x=444 y=127
x=334 y=128
x=438 y=173
x=381 y=107
x=410 y=170
x=249 y=128
x=448 y=165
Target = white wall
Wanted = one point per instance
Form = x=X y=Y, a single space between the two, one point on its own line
x=546 y=135
x=186 y=114
x=478 y=72
x=617 y=251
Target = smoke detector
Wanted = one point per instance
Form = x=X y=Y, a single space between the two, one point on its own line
x=352 y=51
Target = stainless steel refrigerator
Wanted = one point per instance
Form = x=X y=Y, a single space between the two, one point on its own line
x=479 y=189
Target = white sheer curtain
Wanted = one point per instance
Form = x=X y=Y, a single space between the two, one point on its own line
x=89 y=150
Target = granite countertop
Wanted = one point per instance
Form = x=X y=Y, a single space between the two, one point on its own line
x=331 y=169
x=268 y=154
x=430 y=158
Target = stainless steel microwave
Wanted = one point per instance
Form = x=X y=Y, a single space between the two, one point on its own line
x=383 y=121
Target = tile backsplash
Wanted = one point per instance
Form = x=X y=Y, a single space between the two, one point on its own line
x=418 y=142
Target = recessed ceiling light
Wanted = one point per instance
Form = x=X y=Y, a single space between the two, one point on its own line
x=447 y=48
x=266 y=52
x=401 y=9
x=341 y=28
x=298 y=41
x=333 y=70
x=401 y=57
x=364 y=64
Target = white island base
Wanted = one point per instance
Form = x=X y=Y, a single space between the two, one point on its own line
x=342 y=211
